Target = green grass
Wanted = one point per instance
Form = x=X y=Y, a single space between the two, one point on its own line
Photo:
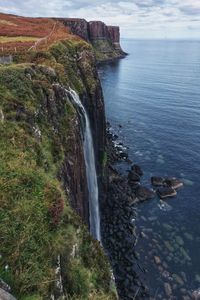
x=14 y=39
x=36 y=221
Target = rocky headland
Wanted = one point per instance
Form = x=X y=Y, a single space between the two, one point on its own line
x=104 y=39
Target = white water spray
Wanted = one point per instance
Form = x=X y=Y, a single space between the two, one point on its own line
x=90 y=167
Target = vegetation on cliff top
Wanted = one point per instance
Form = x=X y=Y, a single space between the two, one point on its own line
x=37 y=224
x=19 y=34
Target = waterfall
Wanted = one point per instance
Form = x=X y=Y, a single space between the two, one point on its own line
x=90 y=166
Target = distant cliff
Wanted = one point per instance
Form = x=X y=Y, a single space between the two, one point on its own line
x=105 y=39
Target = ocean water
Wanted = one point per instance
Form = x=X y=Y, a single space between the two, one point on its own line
x=154 y=94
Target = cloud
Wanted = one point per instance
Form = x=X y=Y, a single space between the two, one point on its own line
x=137 y=18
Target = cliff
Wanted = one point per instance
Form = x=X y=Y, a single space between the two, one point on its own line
x=104 y=39
x=46 y=249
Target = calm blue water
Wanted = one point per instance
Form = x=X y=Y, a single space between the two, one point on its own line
x=154 y=94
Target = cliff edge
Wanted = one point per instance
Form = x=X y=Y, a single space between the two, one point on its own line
x=46 y=250
x=104 y=39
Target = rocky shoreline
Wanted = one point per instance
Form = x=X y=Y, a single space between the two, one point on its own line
x=118 y=225
x=111 y=60
x=119 y=214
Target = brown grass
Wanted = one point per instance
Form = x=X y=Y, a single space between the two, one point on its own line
x=24 y=34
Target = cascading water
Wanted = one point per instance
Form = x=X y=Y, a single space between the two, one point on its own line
x=90 y=166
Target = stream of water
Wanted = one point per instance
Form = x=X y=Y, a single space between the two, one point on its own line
x=90 y=166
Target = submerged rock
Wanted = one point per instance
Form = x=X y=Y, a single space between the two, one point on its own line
x=178 y=279
x=143 y=193
x=168 y=289
x=166 y=192
x=197 y=278
x=179 y=240
x=169 y=246
x=188 y=236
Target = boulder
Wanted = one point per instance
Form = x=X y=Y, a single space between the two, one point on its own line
x=166 y=192
x=173 y=182
x=137 y=170
x=157 y=181
x=5 y=295
x=143 y=193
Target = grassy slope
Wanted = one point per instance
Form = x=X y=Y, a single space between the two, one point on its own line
x=37 y=223
x=18 y=34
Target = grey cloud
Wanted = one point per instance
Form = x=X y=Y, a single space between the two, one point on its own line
x=189 y=10
x=149 y=3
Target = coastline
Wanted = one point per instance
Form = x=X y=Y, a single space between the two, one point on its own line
x=118 y=224
x=110 y=60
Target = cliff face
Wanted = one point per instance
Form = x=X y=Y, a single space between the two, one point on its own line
x=105 y=39
x=114 y=33
x=98 y=30
x=43 y=175
x=77 y=26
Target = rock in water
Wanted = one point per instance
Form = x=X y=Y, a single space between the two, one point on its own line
x=157 y=260
x=6 y=296
x=173 y=182
x=166 y=192
x=143 y=193
x=137 y=170
x=133 y=177
x=157 y=181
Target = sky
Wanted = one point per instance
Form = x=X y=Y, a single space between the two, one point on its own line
x=140 y=19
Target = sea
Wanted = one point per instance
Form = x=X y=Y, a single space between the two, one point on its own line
x=152 y=100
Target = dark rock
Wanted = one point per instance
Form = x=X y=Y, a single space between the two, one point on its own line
x=173 y=182
x=132 y=199
x=137 y=170
x=166 y=192
x=143 y=193
x=133 y=177
x=123 y=155
x=157 y=181
x=5 y=295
